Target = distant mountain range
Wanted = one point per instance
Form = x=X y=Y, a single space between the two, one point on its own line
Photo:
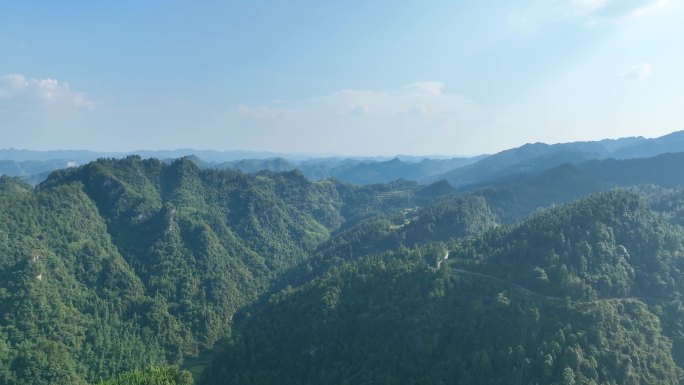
x=354 y=170
x=85 y=156
x=263 y=277
x=536 y=157
x=34 y=166
x=517 y=197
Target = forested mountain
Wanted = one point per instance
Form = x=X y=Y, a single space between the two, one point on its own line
x=583 y=293
x=256 y=165
x=528 y=158
x=443 y=221
x=65 y=292
x=35 y=166
x=358 y=171
x=31 y=167
x=387 y=171
x=537 y=157
x=516 y=197
x=85 y=156
x=152 y=376
x=112 y=271
x=124 y=263
x=352 y=170
x=673 y=142
x=603 y=246
x=458 y=171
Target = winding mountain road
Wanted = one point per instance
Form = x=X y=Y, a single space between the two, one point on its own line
x=531 y=293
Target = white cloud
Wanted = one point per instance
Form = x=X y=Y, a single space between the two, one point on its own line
x=432 y=88
x=652 y=6
x=599 y=12
x=428 y=97
x=638 y=72
x=583 y=7
x=47 y=92
x=412 y=118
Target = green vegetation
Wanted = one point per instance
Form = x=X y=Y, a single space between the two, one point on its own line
x=530 y=311
x=152 y=376
x=514 y=198
x=122 y=271
x=121 y=264
x=606 y=245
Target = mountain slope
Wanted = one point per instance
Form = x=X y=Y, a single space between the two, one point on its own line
x=673 y=142
x=446 y=220
x=387 y=171
x=125 y=263
x=121 y=264
x=355 y=171
x=206 y=241
x=256 y=165
x=605 y=245
x=68 y=298
x=389 y=318
x=515 y=198
x=538 y=157
x=528 y=158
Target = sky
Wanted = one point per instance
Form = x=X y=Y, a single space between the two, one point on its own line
x=337 y=78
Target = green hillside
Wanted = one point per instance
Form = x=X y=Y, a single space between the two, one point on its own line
x=583 y=293
x=113 y=271
x=121 y=264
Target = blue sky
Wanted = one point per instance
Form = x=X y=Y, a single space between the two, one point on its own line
x=349 y=78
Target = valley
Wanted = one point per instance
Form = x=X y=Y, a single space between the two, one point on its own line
x=126 y=267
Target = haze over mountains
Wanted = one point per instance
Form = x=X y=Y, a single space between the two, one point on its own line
x=545 y=263
x=539 y=156
x=334 y=193
x=34 y=166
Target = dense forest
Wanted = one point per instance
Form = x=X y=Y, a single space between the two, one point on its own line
x=121 y=271
x=582 y=293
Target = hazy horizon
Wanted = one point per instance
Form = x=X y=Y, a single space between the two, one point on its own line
x=358 y=79
x=307 y=155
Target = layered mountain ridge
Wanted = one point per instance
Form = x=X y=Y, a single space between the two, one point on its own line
x=130 y=264
x=34 y=166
